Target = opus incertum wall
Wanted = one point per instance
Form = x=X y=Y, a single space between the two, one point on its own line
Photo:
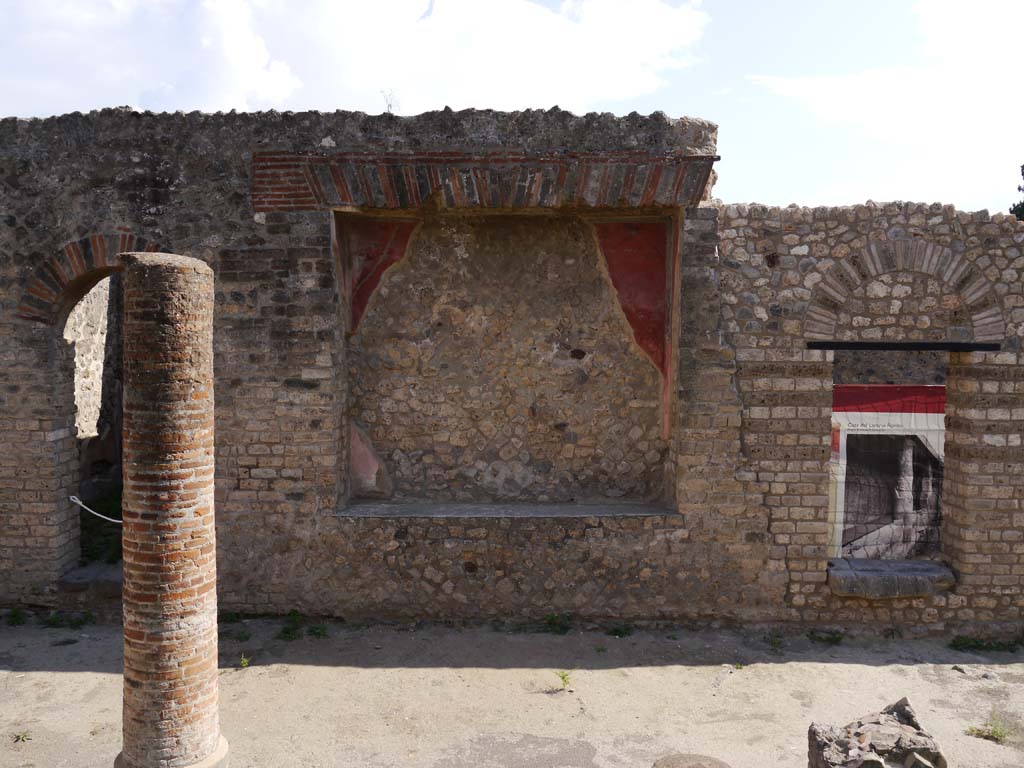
x=498 y=313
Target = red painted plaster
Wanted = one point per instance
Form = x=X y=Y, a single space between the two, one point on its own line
x=371 y=245
x=635 y=253
x=889 y=398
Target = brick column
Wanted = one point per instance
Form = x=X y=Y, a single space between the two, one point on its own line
x=170 y=577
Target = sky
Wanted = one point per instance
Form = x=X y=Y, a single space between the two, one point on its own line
x=818 y=102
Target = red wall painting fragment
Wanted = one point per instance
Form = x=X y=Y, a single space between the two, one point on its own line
x=370 y=247
x=635 y=253
x=889 y=398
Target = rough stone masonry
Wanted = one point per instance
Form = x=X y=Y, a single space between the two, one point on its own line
x=485 y=365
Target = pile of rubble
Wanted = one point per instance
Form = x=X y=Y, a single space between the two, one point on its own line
x=892 y=738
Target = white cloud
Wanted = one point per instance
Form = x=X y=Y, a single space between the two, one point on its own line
x=504 y=54
x=245 y=73
x=954 y=116
x=339 y=54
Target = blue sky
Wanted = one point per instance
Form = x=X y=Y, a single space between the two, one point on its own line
x=818 y=102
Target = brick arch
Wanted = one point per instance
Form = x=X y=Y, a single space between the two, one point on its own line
x=67 y=275
x=956 y=274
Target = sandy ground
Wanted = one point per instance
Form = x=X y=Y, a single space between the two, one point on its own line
x=479 y=698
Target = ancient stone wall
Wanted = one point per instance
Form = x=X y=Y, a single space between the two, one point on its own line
x=533 y=356
x=794 y=275
x=891 y=272
x=494 y=363
x=878 y=366
x=983 y=525
x=623 y=567
x=709 y=563
x=78 y=189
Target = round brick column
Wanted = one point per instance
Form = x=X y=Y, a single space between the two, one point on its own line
x=170 y=572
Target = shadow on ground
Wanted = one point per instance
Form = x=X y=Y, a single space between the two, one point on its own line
x=312 y=693
x=94 y=647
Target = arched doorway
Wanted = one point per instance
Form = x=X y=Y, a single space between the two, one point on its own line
x=93 y=329
x=40 y=529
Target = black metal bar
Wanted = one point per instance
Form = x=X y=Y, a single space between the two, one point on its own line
x=910 y=346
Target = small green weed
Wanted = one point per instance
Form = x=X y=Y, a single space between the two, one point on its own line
x=621 y=631
x=292 y=629
x=673 y=637
x=21 y=737
x=563 y=676
x=79 y=621
x=601 y=649
x=319 y=631
x=964 y=643
x=243 y=661
x=16 y=617
x=229 y=617
x=557 y=624
x=994 y=729
x=825 y=638
x=54 y=620
x=738 y=665
x=774 y=640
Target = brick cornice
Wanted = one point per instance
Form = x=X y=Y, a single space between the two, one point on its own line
x=284 y=181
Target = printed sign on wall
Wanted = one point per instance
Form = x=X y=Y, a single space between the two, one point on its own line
x=887 y=464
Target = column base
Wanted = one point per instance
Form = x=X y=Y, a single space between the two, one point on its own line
x=218 y=759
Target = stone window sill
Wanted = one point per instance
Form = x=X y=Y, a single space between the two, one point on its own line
x=362 y=508
x=888 y=579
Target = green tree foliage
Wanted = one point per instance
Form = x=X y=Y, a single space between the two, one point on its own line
x=1018 y=209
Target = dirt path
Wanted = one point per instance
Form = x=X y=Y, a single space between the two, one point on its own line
x=478 y=698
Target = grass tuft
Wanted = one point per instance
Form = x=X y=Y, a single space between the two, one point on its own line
x=825 y=638
x=964 y=643
x=557 y=624
x=995 y=729
x=80 y=620
x=53 y=620
x=292 y=629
